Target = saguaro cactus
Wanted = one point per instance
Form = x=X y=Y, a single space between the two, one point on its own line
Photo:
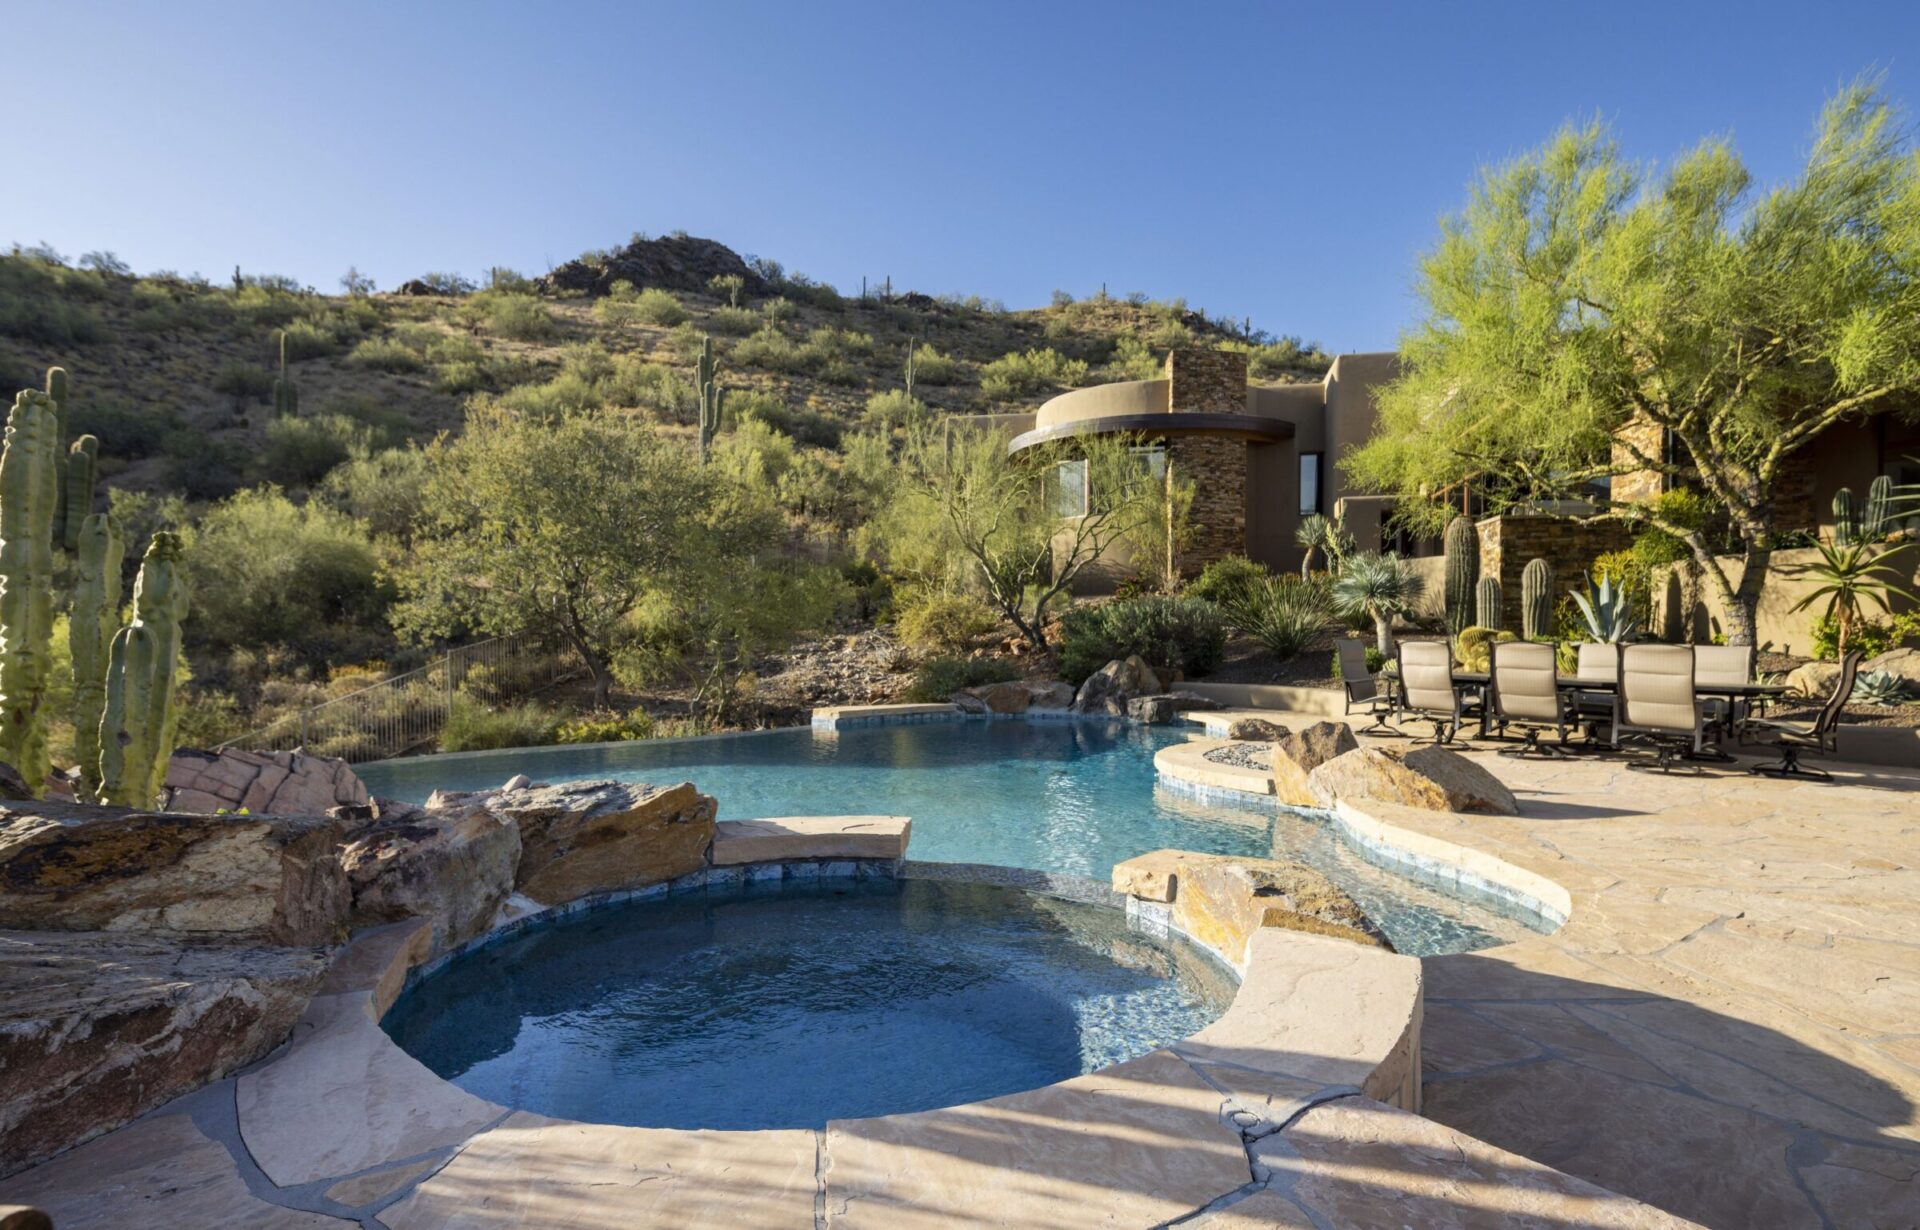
x=1846 y=524
x=1462 y=545
x=1875 y=524
x=57 y=390
x=29 y=478
x=137 y=725
x=1536 y=600
x=96 y=614
x=83 y=465
x=1487 y=600
x=286 y=394
x=912 y=343
x=712 y=396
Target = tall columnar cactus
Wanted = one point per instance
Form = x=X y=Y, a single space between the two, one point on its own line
x=1486 y=604
x=1463 y=569
x=911 y=345
x=712 y=396
x=57 y=390
x=138 y=723
x=76 y=502
x=96 y=615
x=286 y=394
x=1846 y=524
x=1878 y=520
x=29 y=478
x=1536 y=600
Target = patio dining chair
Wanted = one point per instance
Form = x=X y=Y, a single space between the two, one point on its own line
x=1525 y=693
x=1595 y=660
x=1729 y=664
x=1657 y=705
x=1365 y=694
x=1426 y=687
x=1820 y=735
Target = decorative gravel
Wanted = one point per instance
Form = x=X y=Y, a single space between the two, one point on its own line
x=1243 y=755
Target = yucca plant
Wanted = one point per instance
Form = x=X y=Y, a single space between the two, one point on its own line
x=1381 y=586
x=1851 y=575
x=1609 y=617
x=1285 y=614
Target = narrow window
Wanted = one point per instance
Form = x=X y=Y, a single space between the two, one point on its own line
x=1309 y=482
x=1070 y=489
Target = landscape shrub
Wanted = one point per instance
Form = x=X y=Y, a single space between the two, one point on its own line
x=1185 y=634
x=801 y=423
x=1871 y=637
x=385 y=491
x=1228 y=581
x=928 y=619
x=1286 y=614
x=938 y=678
x=1132 y=359
x=606 y=727
x=474 y=727
x=300 y=451
x=385 y=354
x=1023 y=374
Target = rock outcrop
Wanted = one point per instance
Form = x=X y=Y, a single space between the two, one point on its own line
x=99 y=1028
x=74 y=867
x=1221 y=900
x=1430 y=777
x=1296 y=754
x=1018 y=696
x=453 y=865
x=591 y=836
x=672 y=262
x=1109 y=689
x=274 y=783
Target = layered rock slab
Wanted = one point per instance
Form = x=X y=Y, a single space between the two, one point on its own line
x=96 y=1029
x=454 y=865
x=1434 y=778
x=1221 y=900
x=279 y=783
x=1297 y=753
x=77 y=867
x=781 y=839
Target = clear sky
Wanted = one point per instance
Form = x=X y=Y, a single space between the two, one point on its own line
x=1286 y=162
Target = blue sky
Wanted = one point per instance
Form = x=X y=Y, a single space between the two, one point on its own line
x=1287 y=162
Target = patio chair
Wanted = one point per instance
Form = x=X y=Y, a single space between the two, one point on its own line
x=1364 y=692
x=1525 y=693
x=1723 y=664
x=1426 y=687
x=1595 y=660
x=1820 y=735
x=1657 y=705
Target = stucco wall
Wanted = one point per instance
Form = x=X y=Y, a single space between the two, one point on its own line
x=1685 y=609
x=1104 y=401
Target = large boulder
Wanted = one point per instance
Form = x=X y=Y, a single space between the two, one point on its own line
x=76 y=867
x=1813 y=679
x=1055 y=694
x=98 y=1028
x=1902 y=662
x=1109 y=689
x=584 y=837
x=453 y=865
x=1255 y=730
x=1296 y=754
x=1435 y=778
x=1005 y=697
x=275 y=783
x=1221 y=900
x=1151 y=710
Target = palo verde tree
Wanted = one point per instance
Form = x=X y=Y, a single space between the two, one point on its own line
x=1585 y=319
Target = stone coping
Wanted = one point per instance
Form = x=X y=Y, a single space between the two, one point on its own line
x=1187 y=763
x=787 y=838
x=841 y=717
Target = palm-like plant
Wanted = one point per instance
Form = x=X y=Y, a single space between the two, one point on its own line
x=1312 y=535
x=1851 y=575
x=1381 y=586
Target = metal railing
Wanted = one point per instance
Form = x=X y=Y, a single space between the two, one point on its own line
x=397 y=715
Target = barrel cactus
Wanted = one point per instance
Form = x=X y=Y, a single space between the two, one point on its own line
x=1878 y=521
x=138 y=723
x=1846 y=524
x=29 y=483
x=1536 y=600
x=96 y=615
x=1462 y=545
x=1487 y=599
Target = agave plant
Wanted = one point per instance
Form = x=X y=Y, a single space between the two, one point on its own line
x=1380 y=586
x=1880 y=688
x=1610 y=618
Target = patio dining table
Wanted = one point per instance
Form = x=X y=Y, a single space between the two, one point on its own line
x=1733 y=692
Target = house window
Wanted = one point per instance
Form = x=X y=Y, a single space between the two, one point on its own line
x=1309 y=483
x=1069 y=489
x=1152 y=459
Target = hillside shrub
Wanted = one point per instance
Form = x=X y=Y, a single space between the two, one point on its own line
x=930 y=366
x=604 y=727
x=802 y=423
x=567 y=393
x=654 y=306
x=937 y=621
x=459 y=377
x=1026 y=373
x=385 y=354
x=893 y=410
x=1185 y=634
x=520 y=317
x=199 y=466
x=733 y=321
x=244 y=380
x=307 y=339
x=474 y=727
x=770 y=350
x=300 y=451
x=938 y=678
x=122 y=429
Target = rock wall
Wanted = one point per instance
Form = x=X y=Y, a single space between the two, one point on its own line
x=276 y=783
x=1217 y=468
x=1508 y=542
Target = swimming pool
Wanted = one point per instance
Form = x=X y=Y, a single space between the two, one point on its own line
x=786 y=1005
x=1074 y=797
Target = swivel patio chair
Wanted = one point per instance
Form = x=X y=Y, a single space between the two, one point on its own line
x=1728 y=664
x=1595 y=660
x=1525 y=693
x=1426 y=687
x=1820 y=735
x=1657 y=705
x=1364 y=691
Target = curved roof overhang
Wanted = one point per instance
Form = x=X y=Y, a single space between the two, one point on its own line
x=1183 y=423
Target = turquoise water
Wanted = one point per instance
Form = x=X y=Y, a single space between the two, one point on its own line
x=787 y=1006
x=1073 y=797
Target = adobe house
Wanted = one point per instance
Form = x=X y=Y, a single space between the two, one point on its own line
x=1260 y=457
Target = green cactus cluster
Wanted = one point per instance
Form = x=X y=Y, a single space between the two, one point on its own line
x=96 y=616
x=1846 y=522
x=1462 y=548
x=29 y=487
x=1487 y=600
x=138 y=721
x=712 y=396
x=286 y=394
x=1878 y=521
x=1536 y=600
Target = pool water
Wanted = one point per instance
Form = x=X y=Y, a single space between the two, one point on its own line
x=787 y=1005
x=1062 y=796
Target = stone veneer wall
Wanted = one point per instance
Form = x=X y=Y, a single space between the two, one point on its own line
x=1793 y=491
x=1508 y=542
x=1207 y=381
x=1217 y=467
x=1649 y=438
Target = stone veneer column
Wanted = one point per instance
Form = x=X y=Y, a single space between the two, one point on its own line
x=1207 y=381
x=1649 y=439
x=1508 y=543
x=1217 y=468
